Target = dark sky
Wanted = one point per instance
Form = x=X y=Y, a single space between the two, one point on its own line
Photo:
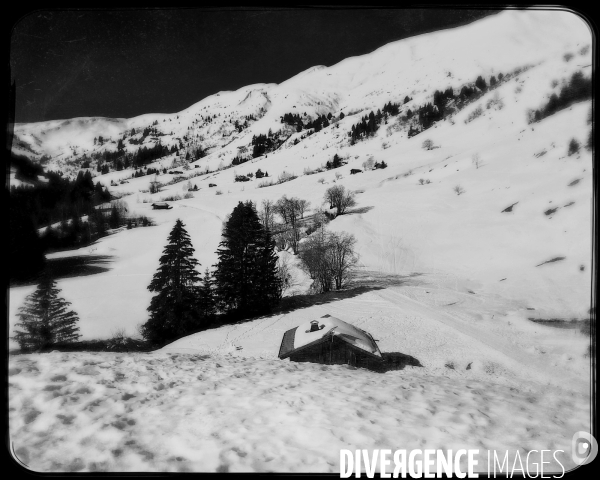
x=123 y=63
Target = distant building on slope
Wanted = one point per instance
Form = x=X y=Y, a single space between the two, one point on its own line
x=161 y=205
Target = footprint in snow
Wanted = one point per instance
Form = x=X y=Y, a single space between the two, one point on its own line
x=31 y=416
x=66 y=419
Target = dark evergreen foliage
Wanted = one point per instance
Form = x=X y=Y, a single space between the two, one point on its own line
x=246 y=282
x=573 y=147
x=237 y=160
x=367 y=127
x=576 y=90
x=174 y=310
x=480 y=83
x=292 y=119
x=25 y=168
x=207 y=307
x=146 y=155
x=392 y=109
x=26 y=249
x=44 y=319
x=335 y=163
x=33 y=207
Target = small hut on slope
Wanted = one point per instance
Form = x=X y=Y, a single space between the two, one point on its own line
x=330 y=340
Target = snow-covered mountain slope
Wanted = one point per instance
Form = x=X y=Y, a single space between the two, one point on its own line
x=481 y=261
x=415 y=66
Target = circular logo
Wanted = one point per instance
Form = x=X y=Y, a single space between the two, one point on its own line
x=584 y=448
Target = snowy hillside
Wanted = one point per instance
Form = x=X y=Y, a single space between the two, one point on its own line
x=447 y=278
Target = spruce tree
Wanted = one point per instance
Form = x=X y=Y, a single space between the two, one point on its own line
x=45 y=319
x=480 y=83
x=246 y=283
x=173 y=311
x=206 y=299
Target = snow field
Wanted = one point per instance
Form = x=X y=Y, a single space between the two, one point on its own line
x=188 y=412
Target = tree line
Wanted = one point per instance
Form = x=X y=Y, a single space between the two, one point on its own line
x=245 y=281
x=56 y=200
x=577 y=89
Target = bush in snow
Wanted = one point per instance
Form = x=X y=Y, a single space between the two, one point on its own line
x=286 y=177
x=495 y=102
x=573 y=147
x=474 y=114
x=427 y=144
x=266 y=183
x=459 y=190
x=154 y=186
x=368 y=164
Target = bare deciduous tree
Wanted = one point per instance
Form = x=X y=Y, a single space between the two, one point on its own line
x=291 y=210
x=303 y=206
x=340 y=198
x=459 y=190
x=341 y=257
x=267 y=214
x=368 y=164
x=155 y=185
x=313 y=257
x=329 y=259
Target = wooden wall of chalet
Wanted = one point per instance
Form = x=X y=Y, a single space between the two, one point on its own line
x=337 y=352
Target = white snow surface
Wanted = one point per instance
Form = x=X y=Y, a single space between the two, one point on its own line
x=193 y=413
x=447 y=279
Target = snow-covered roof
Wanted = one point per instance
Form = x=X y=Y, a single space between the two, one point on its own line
x=302 y=336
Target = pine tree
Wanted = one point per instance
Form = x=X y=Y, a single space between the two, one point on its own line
x=206 y=299
x=173 y=311
x=115 y=217
x=480 y=83
x=246 y=283
x=45 y=318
